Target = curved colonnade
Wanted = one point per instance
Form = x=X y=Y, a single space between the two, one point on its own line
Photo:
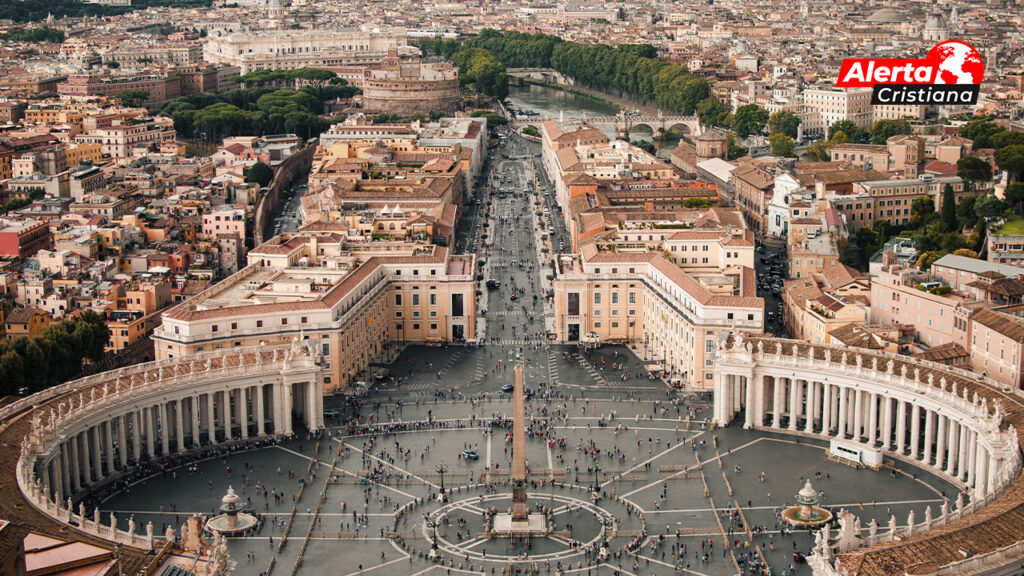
x=89 y=432
x=961 y=426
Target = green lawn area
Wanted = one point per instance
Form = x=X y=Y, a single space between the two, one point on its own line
x=1013 y=227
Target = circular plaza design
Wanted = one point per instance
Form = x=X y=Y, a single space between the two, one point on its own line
x=673 y=487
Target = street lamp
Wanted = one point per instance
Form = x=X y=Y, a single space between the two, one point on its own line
x=442 y=469
x=435 y=553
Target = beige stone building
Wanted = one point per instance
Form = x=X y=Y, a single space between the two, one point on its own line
x=997 y=346
x=290 y=49
x=349 y=300
x=679 y=319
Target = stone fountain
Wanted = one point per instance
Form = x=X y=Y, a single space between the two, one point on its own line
x=806 y=513
x=233 y=521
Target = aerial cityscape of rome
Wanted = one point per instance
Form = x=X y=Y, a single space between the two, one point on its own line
x=511 y=287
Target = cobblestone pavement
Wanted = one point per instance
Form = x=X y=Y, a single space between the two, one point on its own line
x=611 y=425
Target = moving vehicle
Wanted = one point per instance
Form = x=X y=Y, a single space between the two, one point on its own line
x=493 y=284
x=470 y=454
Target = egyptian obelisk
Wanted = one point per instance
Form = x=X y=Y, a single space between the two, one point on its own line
x=519 y=509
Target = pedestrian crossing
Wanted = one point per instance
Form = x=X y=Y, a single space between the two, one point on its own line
x=553 y=366
x=513 y=342
x=593 y=372
x=479 y=369
x=450 y=362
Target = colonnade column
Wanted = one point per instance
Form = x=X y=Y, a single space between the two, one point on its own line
x=915 y=431
x=314 y=403
x=58 y=475
x=122 y=440
x=65 y=468
x=97 y=455
x=794 y=402
x=972 y=459
x=826 y=408
x=211 y=424
x=108 y=440
x=844 y=405
x=901 y=426
x=84 y=459
x=929 y=436
x=259 y=410
x=811 y=399
x=964 y=441
x=940 y=441
x=197 y=439
x=179 y=422
x=165 y=431
x=887 y=424
x=872 y=417
x=778 y=391
x=243 y=410
x=981 y=473
x=951 y=446
x=858 y=414
x=749 y=401
x=150 y=432
x=76 y=468
x=226 y=412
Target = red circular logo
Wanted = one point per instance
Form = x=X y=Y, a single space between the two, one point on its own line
x=956 y=62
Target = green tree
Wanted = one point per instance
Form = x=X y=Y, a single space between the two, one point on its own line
x=784 y=122
x=926 y=259
x=989 y=207
x=112 y=64
x=129 y=98
x=1011 y=159
x=531 y=131
x=749 y=119
x=949 y=207
x=980 y=130
x=34 y=35
x=966 y=213
x=882 y=130
x=782 y=145
x=712 y=112
x=697 y=203
x=855 y=133
x=973 y=169
x=1006 y=138
x=1015 y=196
x=921 y=208
x=259 y=173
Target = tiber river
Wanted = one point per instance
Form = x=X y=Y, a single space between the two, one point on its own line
x=550 y=102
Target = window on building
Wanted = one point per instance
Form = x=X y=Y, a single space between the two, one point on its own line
x=572 y=304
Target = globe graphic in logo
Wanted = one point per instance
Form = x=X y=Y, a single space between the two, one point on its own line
x=956 y=62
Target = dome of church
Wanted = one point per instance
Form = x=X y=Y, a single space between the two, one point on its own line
x=885 y=15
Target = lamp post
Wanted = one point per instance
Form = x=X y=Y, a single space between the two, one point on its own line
x=442 y=468
x=435 y=553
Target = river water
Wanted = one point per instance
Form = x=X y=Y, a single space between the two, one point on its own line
x=551 y=102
